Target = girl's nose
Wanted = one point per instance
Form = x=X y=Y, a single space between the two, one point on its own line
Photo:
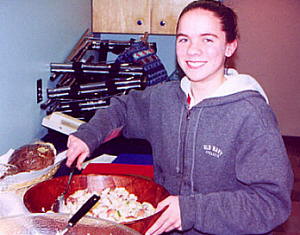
x=195 y=48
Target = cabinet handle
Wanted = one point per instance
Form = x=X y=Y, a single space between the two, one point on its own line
x=162 y=23
x=139 y=22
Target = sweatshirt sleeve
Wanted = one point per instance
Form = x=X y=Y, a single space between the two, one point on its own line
x=125 y=112
x=262 y=203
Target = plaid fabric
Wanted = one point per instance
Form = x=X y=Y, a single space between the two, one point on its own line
x=140 y=53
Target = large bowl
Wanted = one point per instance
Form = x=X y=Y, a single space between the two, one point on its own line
x=41 y=197
x=51 y=224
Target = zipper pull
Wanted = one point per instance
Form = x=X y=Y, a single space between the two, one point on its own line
x=188 y=114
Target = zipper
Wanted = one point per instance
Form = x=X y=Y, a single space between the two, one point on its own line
x=188 y=117
x=184 y=174
x=188 y=114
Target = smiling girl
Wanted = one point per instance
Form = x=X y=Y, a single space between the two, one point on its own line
x=201 y=48
x=216 y=144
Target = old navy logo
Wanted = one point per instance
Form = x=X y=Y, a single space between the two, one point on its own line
x=212 y=150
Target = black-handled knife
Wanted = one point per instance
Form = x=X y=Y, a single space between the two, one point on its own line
x=81 y=212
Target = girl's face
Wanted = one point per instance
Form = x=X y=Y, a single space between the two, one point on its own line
x=201 y=45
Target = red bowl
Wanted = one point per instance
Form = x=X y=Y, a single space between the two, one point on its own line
x=41 y=196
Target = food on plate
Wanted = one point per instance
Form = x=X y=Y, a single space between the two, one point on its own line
x=115 y=204
x=4 y=168
x=30 y=157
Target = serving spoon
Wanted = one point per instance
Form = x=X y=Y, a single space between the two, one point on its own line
x=80 y=213
x=60 y=200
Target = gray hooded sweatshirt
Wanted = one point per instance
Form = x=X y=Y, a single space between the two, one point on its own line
x=223 y=156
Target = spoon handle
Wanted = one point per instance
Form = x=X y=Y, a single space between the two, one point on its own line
x=83 y=210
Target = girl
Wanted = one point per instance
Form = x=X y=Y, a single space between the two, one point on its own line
x=216 y=144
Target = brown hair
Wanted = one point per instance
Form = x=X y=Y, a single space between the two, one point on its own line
x=225 y=14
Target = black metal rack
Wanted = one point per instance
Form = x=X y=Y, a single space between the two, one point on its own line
x=86 y=81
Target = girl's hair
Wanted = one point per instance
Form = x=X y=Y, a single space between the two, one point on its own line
x=225 y=14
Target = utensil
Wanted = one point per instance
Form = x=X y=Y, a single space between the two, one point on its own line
x=58 y=203
x=80 y=213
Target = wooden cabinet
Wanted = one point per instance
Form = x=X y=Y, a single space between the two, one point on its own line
x=121 y=16
x=136 y=16
x=164 y=15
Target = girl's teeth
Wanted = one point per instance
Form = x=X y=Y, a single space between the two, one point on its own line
x=195 y=64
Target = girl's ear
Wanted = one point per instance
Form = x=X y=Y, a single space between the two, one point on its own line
x=230 y=48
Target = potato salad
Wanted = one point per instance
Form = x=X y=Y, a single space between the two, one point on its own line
x=116 y=204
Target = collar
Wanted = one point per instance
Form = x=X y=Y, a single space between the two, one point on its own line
x=234 y=83
x=185 y=85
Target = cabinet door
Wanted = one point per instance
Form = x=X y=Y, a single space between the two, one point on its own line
x=121 y=16
x=164 y=15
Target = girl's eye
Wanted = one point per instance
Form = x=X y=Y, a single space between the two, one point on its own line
x=209 y=40
x=181 y=40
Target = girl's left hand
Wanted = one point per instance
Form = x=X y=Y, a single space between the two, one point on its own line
x=170 y=219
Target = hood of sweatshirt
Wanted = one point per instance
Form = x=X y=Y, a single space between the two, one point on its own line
x=234 y=83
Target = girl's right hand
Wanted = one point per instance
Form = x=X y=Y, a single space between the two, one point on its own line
x=77 y=149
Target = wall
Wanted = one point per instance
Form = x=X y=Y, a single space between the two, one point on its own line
x=33 y=33
x=269 y=49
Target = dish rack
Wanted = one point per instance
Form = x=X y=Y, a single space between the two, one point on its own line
x=87 y=80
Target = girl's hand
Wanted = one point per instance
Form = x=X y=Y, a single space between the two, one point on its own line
x=77 y=149
x=170 y=219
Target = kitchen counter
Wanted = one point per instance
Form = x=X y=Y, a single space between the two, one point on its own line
x=133 y=156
